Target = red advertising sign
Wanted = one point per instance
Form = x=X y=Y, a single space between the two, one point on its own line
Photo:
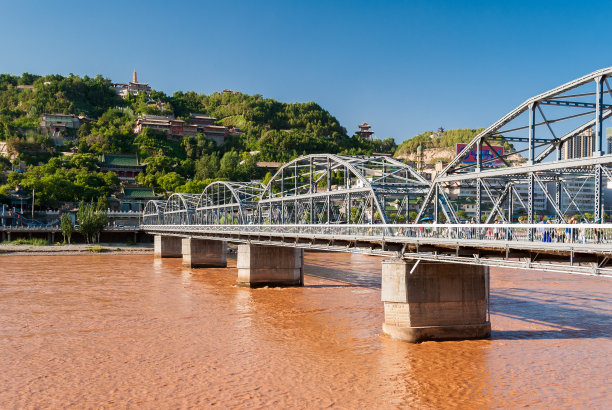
x=489 y=159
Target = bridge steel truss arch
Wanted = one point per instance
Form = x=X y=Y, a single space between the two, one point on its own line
x=180 y=209
x=224 y=203
x=335 y=189
x=504 y=185
x=153 y=213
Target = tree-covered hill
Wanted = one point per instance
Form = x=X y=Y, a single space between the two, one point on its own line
x=270 y=131
x=447 y=139
x=52 y=94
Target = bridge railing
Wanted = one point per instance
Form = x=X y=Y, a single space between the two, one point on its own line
x=545 y=233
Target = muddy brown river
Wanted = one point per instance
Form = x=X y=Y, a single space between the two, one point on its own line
x=111 y=331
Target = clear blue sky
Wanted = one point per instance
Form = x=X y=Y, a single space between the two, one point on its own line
x=403 y=66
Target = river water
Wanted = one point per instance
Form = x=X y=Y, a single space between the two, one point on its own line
x=130 y=331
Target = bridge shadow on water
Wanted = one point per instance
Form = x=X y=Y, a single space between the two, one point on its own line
x=551 y=315
x=345 y=270
x=349 y=280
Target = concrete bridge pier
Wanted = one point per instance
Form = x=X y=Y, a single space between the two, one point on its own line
x=435 y=301
x=167 y=247
x=204 y=253
x=270 y=266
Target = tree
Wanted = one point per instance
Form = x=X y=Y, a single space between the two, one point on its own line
x=102 y=204
x=267 y=178
x=193 y=187
x=247 y=169
x=101 y=215
x=229 y=166
x=91 y=220
x=87 y=220
x=207 y=167
x=67 y=227
x=170 y=181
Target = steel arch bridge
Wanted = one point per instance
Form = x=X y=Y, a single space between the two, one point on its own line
x=334 y=189
x=312 y=189
x=363 y=203
x=225 y=203
x=180 y=209
x=561 y=133
x=153 y=213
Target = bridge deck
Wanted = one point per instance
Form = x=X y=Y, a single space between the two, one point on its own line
x=585 y=249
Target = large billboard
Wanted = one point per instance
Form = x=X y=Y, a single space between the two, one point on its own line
x=488 y=156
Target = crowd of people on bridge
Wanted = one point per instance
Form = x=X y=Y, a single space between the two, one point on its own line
x=567 y=234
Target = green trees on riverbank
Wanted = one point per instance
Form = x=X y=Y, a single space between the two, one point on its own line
x=92 y=219
x=67 y=227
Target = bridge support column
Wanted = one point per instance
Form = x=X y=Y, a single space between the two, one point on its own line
x=167 y=247
x=204 y=253
x=436 y=301
x=270 y=265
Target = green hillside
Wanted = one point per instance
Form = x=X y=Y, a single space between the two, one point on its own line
x=448 y=139
x=277 y=131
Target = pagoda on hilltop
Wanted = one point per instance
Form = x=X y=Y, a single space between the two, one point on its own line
x=364 y=131
x=133 y=87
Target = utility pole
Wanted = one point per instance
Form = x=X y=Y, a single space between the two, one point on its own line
x=32 y=203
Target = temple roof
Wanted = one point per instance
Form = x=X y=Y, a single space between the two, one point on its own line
x=120 y=160
x=139 y=192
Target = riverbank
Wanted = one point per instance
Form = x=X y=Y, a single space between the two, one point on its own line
x=76 y=249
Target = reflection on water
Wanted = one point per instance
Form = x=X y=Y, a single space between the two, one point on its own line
x=109 y=330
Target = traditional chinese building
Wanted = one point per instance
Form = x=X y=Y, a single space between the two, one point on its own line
x=198 y=123
x=364 y=131
x=133 y=87
x=127 y=167
x=131 y=198
x=56 y=125
x=165 y=123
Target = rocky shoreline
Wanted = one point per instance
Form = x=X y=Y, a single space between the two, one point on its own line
x=76 y=249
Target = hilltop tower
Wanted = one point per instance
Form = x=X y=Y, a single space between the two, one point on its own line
x=420 y=158
x=364 y=131
x=133 y=87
